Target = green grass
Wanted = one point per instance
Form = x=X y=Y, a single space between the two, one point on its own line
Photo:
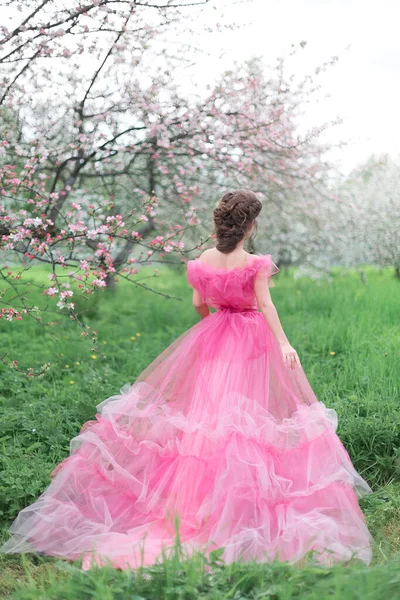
x=195 y=579
x=356 y=321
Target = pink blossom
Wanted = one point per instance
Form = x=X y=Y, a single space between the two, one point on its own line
x=66 y=294
x=51 y=291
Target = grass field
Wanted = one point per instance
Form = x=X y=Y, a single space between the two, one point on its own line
x=347 y=334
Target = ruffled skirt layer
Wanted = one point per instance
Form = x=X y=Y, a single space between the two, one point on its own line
x=219 y=433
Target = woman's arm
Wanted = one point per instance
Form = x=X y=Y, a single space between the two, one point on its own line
x=270 y=313
x=199 y=306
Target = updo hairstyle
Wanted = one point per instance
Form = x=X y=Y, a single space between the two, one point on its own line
x=233 y=217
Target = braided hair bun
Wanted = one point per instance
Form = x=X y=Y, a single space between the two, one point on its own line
x=233 y=217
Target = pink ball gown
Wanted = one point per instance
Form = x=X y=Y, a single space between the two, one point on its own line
x=218 y=431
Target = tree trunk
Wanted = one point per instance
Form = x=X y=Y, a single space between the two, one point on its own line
x=124 y=253
x=110 y=282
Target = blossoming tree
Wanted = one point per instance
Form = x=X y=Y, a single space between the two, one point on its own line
x=106 y=163
x=371 y=215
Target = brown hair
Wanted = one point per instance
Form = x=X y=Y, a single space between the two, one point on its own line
x=233 y=217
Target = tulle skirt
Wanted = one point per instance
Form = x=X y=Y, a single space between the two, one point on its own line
x=218 y=433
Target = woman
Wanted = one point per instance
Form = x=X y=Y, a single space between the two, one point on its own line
x=222 y=430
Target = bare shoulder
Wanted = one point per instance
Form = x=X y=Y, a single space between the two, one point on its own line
x=234 y=259
x=207 y=255
x=251 y=256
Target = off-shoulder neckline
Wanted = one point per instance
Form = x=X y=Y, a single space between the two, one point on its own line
x=249 y=264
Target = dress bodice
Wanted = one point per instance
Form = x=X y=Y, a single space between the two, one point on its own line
x=231 y=288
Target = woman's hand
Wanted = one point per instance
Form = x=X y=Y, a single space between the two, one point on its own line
x=290 y=356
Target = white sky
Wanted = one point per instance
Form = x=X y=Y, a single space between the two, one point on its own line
x=364 y=85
